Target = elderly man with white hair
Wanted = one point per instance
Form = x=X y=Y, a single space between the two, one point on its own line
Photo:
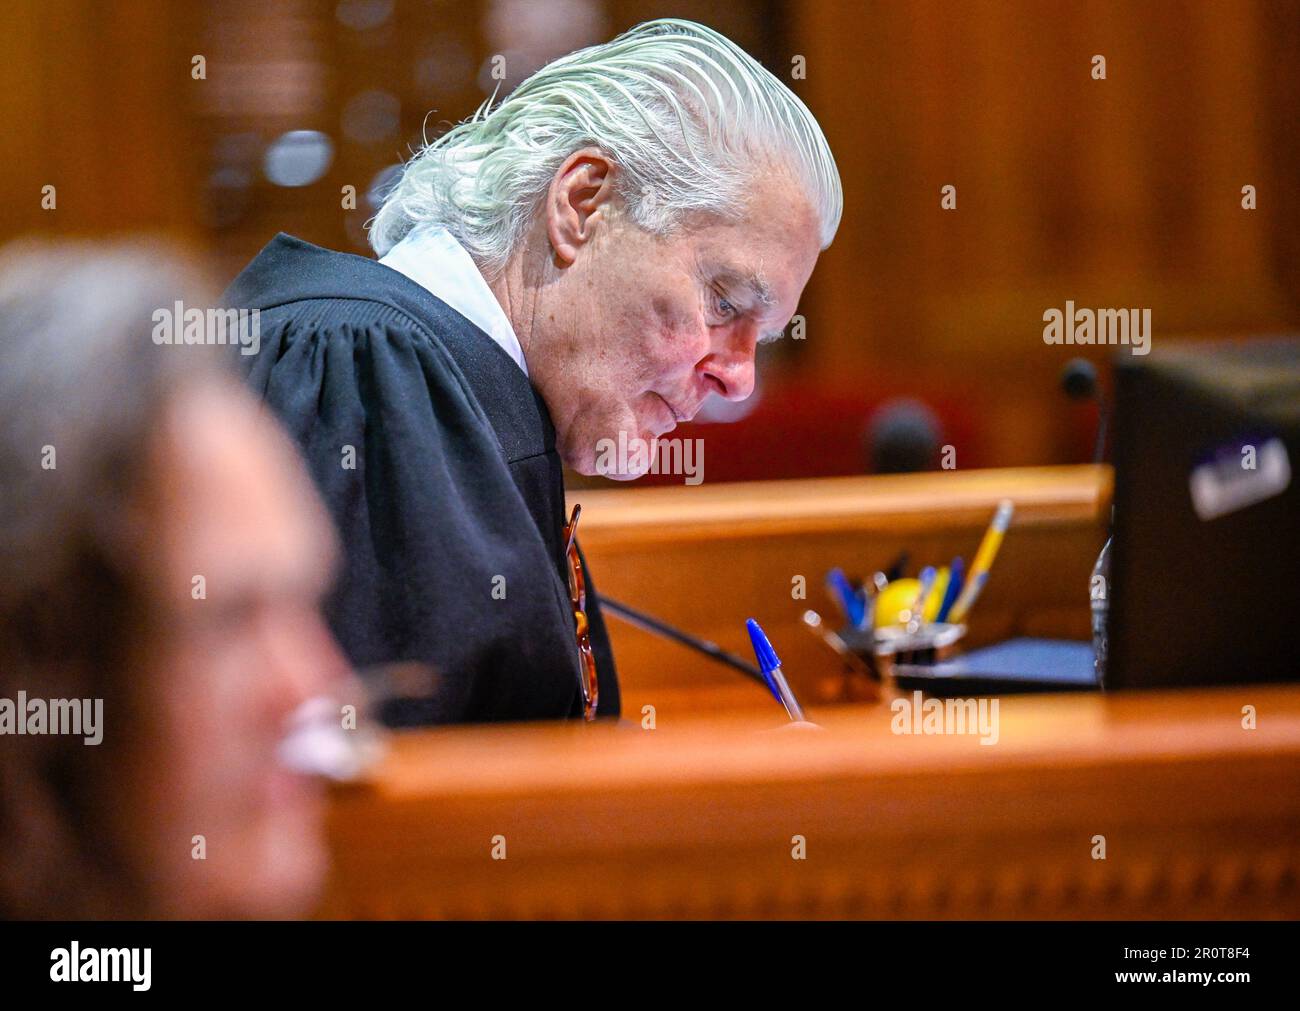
x=587 y=260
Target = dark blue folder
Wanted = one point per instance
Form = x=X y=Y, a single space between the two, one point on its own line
x=1017 y=665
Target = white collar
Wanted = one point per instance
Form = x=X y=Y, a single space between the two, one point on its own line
x=433 y=259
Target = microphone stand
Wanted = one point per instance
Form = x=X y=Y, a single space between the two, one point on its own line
x=710 y=649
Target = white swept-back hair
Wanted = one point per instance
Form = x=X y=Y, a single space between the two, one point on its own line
x=686 y=114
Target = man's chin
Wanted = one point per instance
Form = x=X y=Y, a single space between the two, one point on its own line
x=596 y=467
x=625 y=477
x=620 y=458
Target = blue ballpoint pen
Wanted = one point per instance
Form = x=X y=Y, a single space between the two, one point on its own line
x=955 y=581
x=849 y=599
x=772 y=673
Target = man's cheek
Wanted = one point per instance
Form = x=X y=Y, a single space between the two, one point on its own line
x=669 y=324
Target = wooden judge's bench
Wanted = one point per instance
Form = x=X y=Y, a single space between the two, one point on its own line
x=703 y=803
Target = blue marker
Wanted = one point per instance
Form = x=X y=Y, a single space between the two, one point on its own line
x=955 y=581
x=772 y=673
x=849 y=599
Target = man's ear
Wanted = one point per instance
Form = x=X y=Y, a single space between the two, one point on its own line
x=577 y=202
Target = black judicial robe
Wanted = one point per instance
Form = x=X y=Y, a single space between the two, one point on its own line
x=456 y=489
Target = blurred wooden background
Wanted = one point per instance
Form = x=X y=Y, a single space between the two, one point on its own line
x=1124 y=192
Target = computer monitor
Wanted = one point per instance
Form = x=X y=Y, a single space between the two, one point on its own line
x=1206 y=550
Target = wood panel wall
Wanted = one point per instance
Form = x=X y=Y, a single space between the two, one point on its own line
x=1123 y=192
x=95 y=101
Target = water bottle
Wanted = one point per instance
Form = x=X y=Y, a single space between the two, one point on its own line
x=1099 y=592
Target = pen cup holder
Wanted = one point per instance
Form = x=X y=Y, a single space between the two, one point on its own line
x=883 y=648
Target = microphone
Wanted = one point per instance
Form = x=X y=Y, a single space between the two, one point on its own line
x=902 y=437
x=1079 y=381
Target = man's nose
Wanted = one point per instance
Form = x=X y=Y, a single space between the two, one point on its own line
x=303 y=658
x=729 y=370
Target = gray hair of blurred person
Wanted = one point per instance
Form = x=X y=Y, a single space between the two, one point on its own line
x=686 y=114
x=80 y=378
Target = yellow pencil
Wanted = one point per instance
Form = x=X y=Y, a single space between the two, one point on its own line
x=979 y=572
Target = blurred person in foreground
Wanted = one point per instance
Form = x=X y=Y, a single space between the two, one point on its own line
x=563 y=278
x=130 y=469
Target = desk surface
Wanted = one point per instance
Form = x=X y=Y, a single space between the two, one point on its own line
x=702 y=816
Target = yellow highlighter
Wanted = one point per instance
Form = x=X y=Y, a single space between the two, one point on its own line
x=979 y=572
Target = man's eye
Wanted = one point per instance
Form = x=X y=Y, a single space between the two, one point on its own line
x=725 y=308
